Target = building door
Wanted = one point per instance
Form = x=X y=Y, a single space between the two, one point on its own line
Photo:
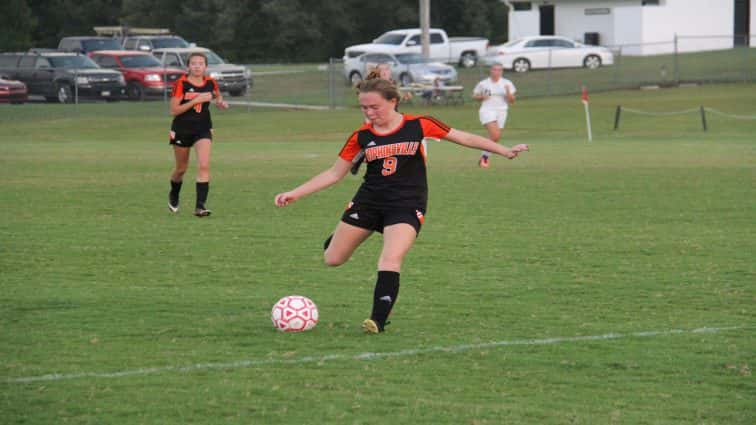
x=742 y=22
x=547 y=20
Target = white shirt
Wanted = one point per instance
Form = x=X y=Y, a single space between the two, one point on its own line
x=497 y=92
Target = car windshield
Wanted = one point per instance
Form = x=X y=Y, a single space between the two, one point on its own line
x=94 y=45
x=410 y=58
x=512 y=43
x=140 y=61
x=75 y=62
x=212 y=58
x=390 y=38
x=169 y=42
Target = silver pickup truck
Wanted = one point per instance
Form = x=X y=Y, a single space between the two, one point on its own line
x=233 y=79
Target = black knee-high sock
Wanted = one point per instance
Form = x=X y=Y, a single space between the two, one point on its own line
x=327 y=242
x=384 y=296
x=202 y=189
x=175 y=189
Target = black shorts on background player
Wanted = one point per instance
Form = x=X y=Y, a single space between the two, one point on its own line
x=194 y=124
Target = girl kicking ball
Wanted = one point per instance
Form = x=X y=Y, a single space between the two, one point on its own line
x=393 y=197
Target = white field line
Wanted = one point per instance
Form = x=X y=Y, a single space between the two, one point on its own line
x=278 y=105
x=361 y=356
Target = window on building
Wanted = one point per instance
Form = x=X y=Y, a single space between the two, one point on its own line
x=650 y=2
x=522 y=5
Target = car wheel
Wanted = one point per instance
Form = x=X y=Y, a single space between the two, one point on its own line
x=405 y=79
x=468 y=60
x=592 y=62
x=355 y=78
x=521 y=65
x=63 y=93
x=134 y=92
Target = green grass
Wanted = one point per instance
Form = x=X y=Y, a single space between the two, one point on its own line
x=647 y=229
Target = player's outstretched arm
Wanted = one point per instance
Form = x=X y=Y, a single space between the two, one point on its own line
x=323 y=180
x=478 y=142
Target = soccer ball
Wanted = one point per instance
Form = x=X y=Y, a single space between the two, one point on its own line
x=294 y=313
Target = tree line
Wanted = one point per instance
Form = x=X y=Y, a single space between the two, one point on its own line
x=248 y=31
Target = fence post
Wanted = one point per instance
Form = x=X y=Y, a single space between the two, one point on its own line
x=617 y=117
x=703 y=118
x=76 y=86
x=617 y=64
x=548 y=76
x=675 y=64
x=746 y=49
x=331 y=85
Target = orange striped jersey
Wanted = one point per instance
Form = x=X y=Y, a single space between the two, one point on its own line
x=396 y=175
x=198 y=118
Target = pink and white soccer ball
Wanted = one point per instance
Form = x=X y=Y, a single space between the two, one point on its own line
x=294 y=313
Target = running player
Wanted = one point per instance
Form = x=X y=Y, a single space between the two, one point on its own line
x=192 y=126
x=393 y=197
x=495 y=95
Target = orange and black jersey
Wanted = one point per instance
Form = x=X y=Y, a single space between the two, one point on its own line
x=396 y=174
x=196 y=119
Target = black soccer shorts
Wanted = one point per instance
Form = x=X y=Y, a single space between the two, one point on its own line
x=376 y=219
x=187 y=140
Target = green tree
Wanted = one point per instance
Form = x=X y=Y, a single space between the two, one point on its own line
x=17 y=25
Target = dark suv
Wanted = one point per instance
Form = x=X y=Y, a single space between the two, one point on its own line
x=88 y=44
x=146 y=43
x=62 y=77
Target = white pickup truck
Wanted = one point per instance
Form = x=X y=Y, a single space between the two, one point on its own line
x=463 y=50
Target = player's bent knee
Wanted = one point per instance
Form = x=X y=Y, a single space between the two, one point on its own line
x=332 y=260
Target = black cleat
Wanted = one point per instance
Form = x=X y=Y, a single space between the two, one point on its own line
x=202 y=212
x=173 y=203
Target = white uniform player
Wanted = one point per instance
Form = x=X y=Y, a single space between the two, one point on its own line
x=495 y=94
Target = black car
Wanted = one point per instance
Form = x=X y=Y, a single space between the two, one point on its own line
x=88 y=44
x=63 y=77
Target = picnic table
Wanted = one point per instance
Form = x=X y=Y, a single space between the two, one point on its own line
x=433 y=95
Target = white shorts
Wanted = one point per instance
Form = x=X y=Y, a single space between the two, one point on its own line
x=490 y=115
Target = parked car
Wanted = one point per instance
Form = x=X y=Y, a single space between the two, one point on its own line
x=407 y=68
x=61 y=76
x=147 y=43
x=144 y=74
x=466 y=51
x=536 y=52
x=234 y=79
x=87 y=44
x=12 y=91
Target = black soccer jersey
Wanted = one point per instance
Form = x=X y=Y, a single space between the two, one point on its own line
x=196 y=119
x=396 y=176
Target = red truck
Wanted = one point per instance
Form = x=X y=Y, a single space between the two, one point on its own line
x=144 y=74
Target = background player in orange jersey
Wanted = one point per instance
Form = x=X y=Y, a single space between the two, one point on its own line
x=192 y=126
x=393 y=197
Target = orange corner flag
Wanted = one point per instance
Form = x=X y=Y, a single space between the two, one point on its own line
x=584 y=98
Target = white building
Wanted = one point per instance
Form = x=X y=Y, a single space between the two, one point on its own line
x=642 y=27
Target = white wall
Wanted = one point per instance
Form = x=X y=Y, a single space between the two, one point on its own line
x=524 y=23
x=688 y=18
x=572 y=21
x=628 y=29
x=630 y=23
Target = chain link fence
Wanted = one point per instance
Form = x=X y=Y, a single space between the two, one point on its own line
x=328 y=86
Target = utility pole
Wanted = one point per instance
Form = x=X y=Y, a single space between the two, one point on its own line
x=425 y=27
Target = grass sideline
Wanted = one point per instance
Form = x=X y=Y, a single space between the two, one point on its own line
x=647 y=229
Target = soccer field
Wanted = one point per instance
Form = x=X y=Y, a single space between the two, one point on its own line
x=610 y=282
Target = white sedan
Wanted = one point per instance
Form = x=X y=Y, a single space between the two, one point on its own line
x=528 y=53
